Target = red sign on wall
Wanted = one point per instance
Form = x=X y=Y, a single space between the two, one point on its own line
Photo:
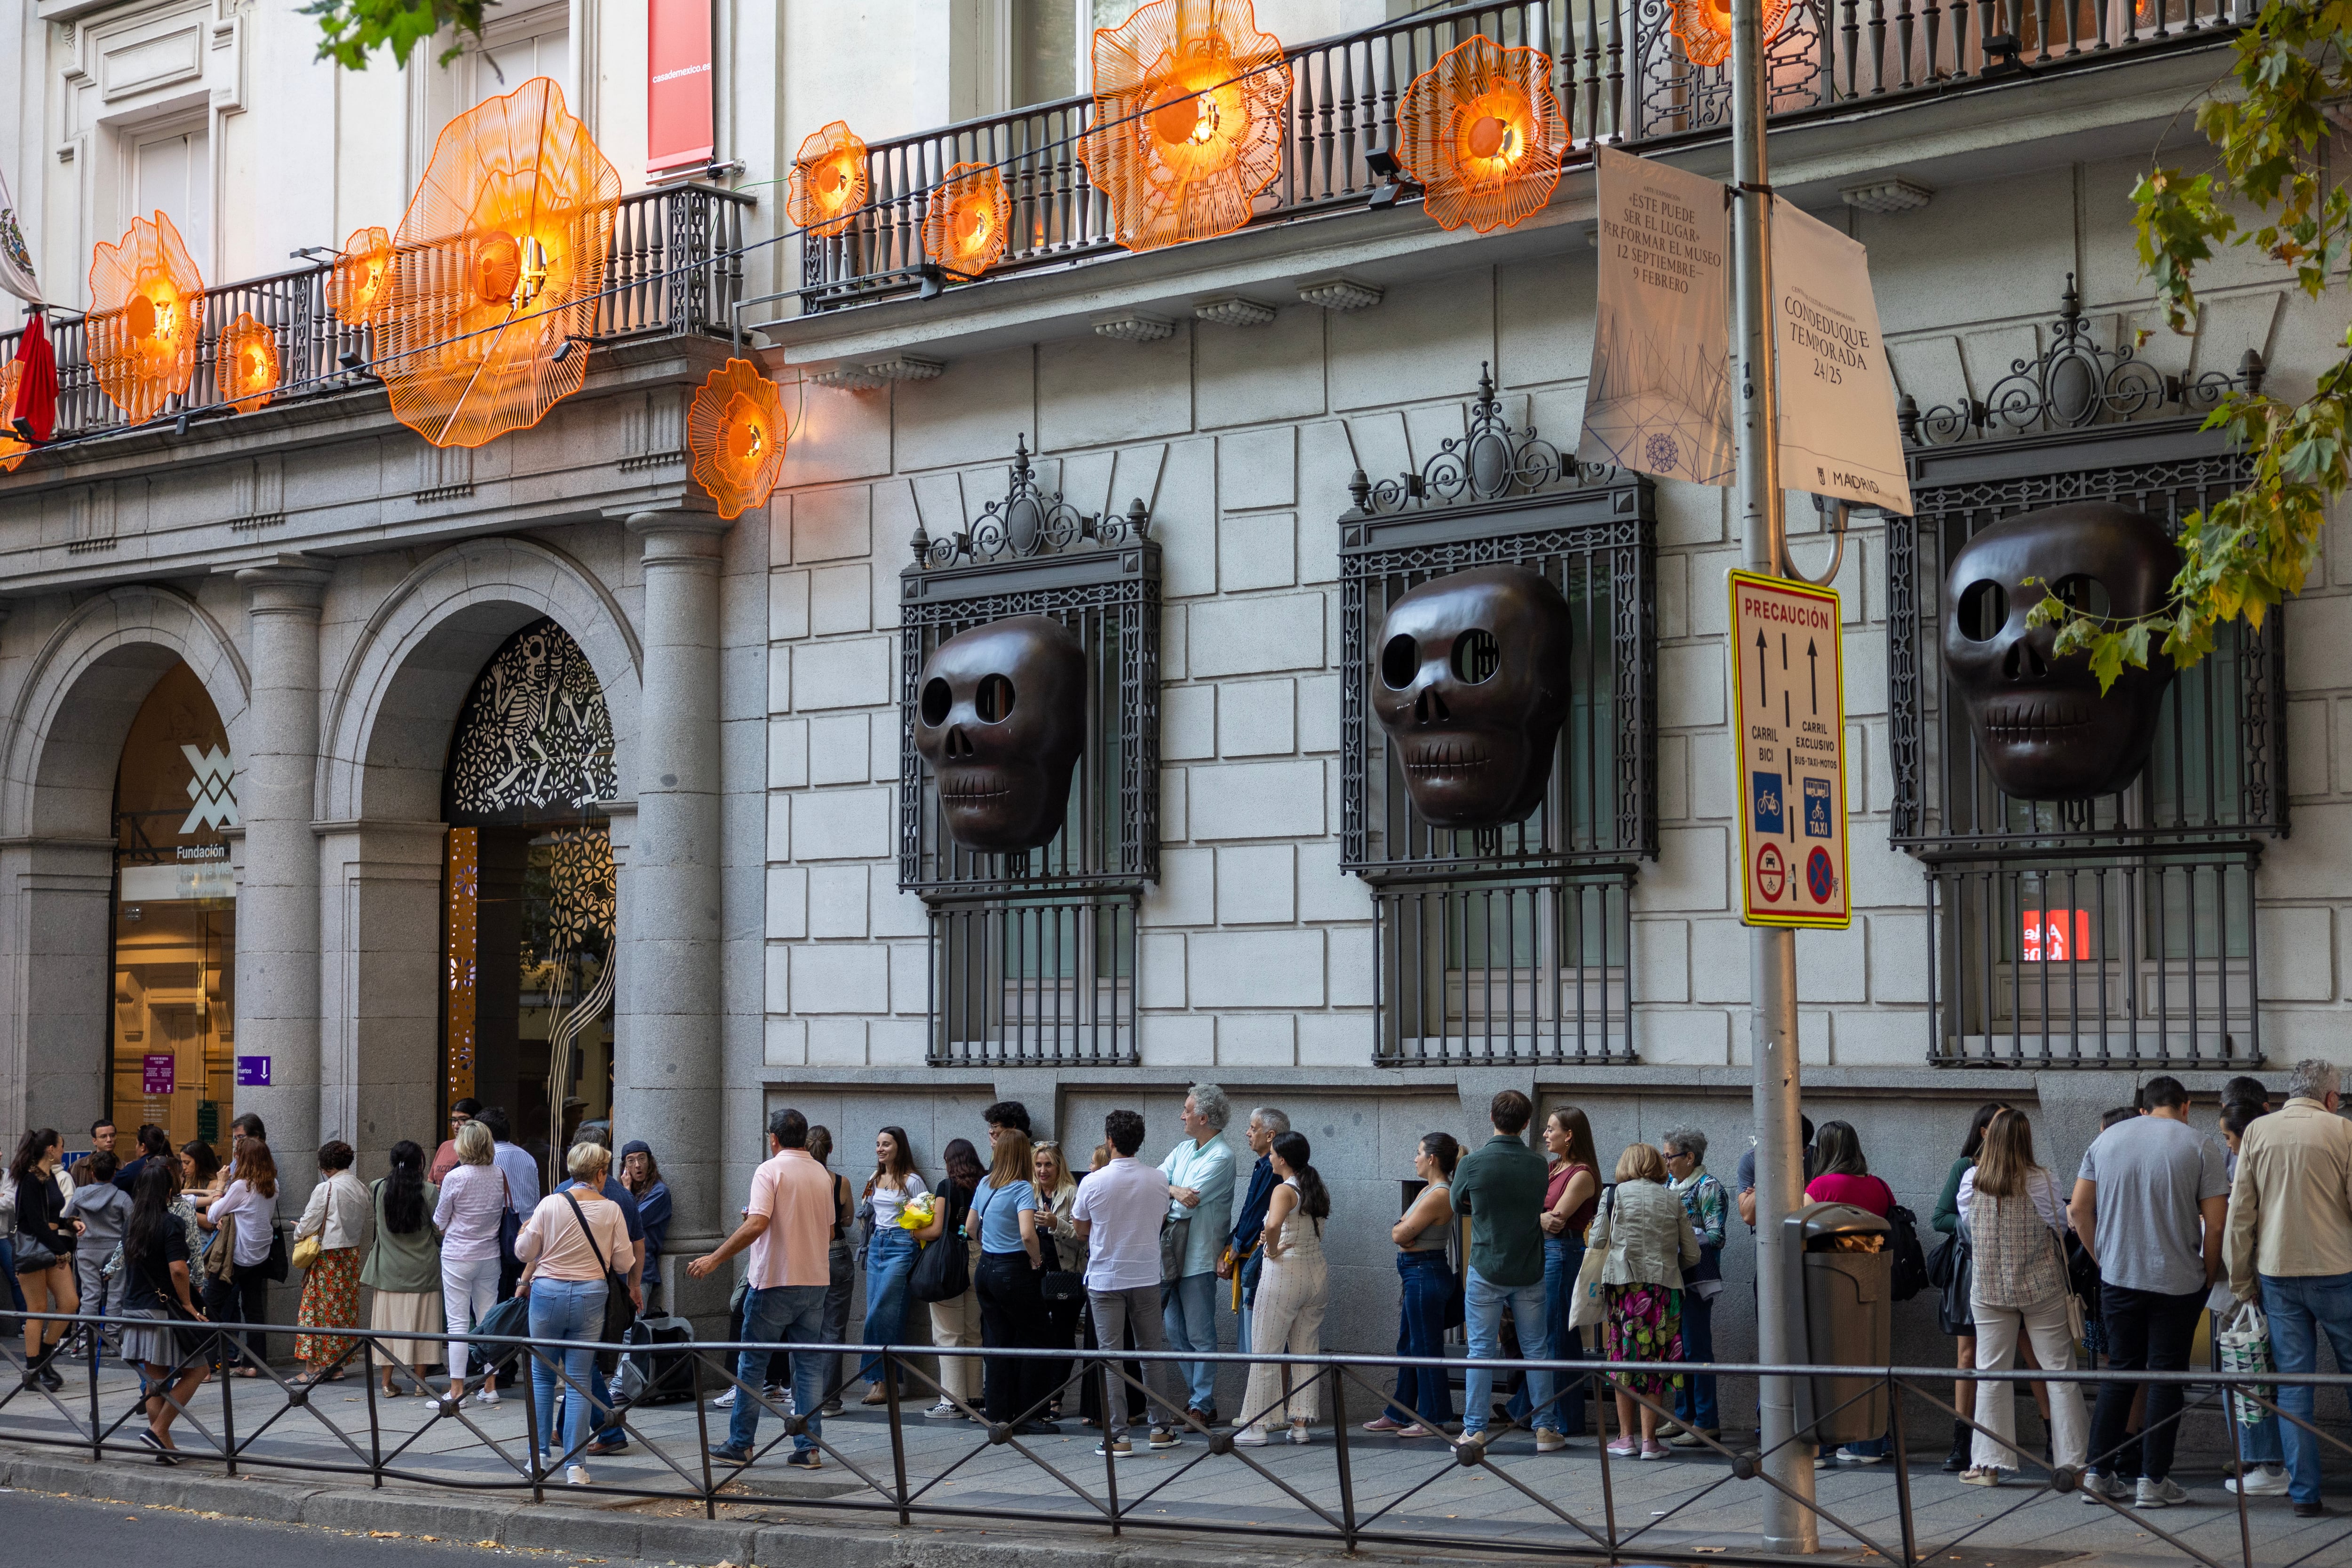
x=2055 y=937
x=678 y=85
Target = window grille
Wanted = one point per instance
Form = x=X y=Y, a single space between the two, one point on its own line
x=1032 y=955
x=1509 y=943
x=2118 y=931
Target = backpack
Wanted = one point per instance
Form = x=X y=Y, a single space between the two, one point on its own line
x=1910 y=1273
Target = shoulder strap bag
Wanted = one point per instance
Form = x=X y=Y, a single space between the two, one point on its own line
x=1588 y=1306
x=943 y=1268
x=618 y=1314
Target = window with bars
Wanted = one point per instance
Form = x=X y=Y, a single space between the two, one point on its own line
x=1033 y=953
x=2117 y=931
x=1510 y=944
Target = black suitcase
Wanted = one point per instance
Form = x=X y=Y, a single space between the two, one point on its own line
x=654 y=1375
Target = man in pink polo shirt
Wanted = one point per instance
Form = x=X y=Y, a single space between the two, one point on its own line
x=788 y=1227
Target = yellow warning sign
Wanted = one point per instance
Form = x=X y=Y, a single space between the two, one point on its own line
x=1787 y=682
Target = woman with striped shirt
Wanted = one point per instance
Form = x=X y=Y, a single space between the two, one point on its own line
x=473 y=1201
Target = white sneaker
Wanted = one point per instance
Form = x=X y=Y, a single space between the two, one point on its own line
x=2267 y=1480
x=487 y=1396
x=945 y=1410
x=576 y=1476
x=2166 y=1494
x=725 y=1401
x=2097 y=1485
x=1298 y=1433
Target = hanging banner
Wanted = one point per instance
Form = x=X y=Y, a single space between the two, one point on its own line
x=1659 y=398
x=15 y=258
x=1837 y=434
x=677 y=86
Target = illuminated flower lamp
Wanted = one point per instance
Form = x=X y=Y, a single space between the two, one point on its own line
x=11 y=448
x=829 y=180
x=1705 y=28
x=247 y=365
x=970 y=215
x=735 y=437
x=1481 y=130
x=146 y=312
x=1190 y=104
x=355 y=288
x=496 y=270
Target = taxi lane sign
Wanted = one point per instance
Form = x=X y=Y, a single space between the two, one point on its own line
x=1788 y=675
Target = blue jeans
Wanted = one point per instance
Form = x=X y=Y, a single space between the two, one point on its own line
x=787 y=1314
x=1420 y=1391
x=1695 y=1404
x=890 y=1261
x=1482 y=1314
x=1188 y=1311
x=1563 y=1256
x=2301 y=1307
x=566 y=1310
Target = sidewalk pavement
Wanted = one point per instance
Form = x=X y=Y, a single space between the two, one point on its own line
x=296 y=1467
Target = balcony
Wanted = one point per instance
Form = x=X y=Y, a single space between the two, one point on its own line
x=1622 y=79
x=675 y=269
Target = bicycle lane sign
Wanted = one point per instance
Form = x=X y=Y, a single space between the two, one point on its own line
x=1788 y=675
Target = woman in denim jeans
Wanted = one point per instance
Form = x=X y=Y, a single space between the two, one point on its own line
x=1571 y=1195
x=1424 y=1403
x=889 y=1250
x=574 y=1240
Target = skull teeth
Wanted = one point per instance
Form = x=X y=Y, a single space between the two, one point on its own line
x=1441 y=756
x=2016 y=722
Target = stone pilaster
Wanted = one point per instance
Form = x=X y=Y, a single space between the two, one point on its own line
x=278 y=903
x=668 y=1073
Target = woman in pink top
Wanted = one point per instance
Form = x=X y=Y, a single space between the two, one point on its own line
x=1845 y=1179
x=571 y=1244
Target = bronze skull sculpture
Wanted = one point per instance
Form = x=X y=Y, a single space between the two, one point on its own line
x=2041 y=724
x=1470 y=679
x=1000 y=716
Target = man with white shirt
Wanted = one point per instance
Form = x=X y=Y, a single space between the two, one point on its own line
x=2288 y=1239
x=1117 y=1213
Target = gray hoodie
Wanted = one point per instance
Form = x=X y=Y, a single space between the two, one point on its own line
x=104 y=1209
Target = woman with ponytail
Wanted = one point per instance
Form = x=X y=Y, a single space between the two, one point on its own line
x=1293 y=1293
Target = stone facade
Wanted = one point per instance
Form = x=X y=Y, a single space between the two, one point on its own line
x=769 y=957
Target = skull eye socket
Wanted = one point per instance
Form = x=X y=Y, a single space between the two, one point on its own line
x=1400 y=662
x=2084 y=595
x=1984 y=611
x=1476 y=656
x=993 y=700
x=937 y=700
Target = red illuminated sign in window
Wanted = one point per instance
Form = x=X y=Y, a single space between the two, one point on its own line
x=678 y=115
x=2055 y=937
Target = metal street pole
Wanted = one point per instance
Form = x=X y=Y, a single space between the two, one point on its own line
x=1790 y=1525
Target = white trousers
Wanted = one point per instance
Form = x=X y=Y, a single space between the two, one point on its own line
x=1997 y=1332
x=468 y=1290
x=955 y=1324
x=1288 y=1316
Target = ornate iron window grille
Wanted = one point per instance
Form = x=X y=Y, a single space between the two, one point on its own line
x=1033 y=955
x=2117 y=932
x=1509 y=943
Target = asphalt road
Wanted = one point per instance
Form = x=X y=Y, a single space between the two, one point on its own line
x=42 y=1529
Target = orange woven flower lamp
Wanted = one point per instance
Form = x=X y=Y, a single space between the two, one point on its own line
x=356 y=286
x=735 y=437
x=829 y=180
x=496 y=270
x=1481 y=130
x=146 y=312
x=246 y=365
x=1705 y=28
x=965 y=227
x=1190 y=103
x=12 y=449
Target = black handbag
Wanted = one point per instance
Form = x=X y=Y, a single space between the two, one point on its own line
x=1953 y=1269
x=619 y=1314
x=1055 y=1283
x=943 y=1268
x=273 y=1268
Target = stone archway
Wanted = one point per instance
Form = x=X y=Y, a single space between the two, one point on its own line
x=64 y=744
x=387 y=723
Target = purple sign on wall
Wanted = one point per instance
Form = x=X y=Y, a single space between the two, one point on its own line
x=253 y=1073
x=156 y=1073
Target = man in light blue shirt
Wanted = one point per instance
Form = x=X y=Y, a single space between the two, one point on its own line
x=1200 y=1172
x=514 y=1163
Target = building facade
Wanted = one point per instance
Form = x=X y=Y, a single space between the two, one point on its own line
x=347 y=773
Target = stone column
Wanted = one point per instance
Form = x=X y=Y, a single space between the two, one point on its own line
x=668 y=1074
x=278 y=903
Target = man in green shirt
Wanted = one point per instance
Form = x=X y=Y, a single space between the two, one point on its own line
x=1501 y=1188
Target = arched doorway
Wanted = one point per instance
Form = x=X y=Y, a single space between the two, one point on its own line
x=528 y=927
x=174 y=1034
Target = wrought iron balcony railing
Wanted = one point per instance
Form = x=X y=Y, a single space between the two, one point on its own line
x=1621 y=74
x=675 y=269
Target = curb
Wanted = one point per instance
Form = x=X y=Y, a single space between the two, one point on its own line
x=951 y=1543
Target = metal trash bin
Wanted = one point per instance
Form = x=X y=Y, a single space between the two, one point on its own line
x=1842 y=1298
